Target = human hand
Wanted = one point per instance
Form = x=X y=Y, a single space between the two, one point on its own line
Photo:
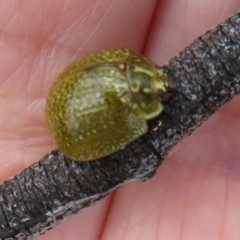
x=195 y=192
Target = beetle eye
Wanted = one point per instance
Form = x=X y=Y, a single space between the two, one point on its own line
x=164 y=96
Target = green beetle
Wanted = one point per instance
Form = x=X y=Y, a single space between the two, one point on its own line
x=101 y=103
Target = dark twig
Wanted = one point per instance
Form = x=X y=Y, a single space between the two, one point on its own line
x=207 y=75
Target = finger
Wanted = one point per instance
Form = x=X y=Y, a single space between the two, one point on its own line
x=38 y=39
x=195 y=191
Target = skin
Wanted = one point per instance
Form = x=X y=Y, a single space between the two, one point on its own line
x=195 y=193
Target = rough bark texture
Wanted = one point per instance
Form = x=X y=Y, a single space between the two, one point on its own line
x=207 y=75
